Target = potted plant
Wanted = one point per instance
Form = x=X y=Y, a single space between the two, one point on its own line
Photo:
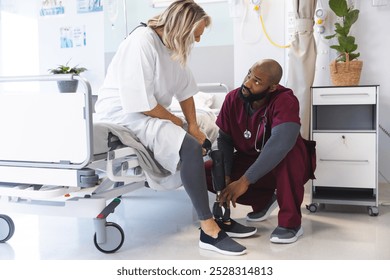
x=345 y=69
x=67 y=86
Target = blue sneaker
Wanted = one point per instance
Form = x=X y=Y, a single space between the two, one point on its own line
x=223 y=244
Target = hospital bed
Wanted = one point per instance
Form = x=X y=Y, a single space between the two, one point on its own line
x=54 y=160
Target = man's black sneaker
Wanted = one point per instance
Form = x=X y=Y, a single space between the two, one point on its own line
x=263 y=214
x=223 y=244
x=234 y=229
x=286 y=235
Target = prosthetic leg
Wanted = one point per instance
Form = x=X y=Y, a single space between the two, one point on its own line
x=221 y=213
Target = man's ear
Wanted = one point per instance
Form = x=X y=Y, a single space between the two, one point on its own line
x=273 y=88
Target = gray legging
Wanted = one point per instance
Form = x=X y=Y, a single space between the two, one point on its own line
x=193 y=176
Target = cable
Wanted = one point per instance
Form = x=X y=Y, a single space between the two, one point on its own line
x=125 y=17
x=384 y=130
x=242 y=27
x=268 y=37
x=258 y=10
x=387 y=181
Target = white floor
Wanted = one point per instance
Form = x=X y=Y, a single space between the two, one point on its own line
x=161 y=226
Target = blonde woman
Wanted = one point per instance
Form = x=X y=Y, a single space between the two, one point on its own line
x=148 y=70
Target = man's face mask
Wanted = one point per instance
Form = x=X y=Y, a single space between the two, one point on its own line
x=250 y=98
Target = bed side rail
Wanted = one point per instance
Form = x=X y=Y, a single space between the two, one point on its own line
x=213 y=87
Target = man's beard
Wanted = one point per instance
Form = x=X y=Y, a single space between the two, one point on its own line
x=253 y=97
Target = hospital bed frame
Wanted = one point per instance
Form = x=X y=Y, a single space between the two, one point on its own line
x=89 y=185
x=39 y=177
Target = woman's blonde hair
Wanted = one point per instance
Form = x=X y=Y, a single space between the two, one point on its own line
x=178 y=24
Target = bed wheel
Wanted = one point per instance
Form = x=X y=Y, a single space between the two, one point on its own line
x=7 y=228
x=114 y=240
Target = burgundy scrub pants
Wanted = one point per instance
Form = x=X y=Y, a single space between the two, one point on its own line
x=287 y=178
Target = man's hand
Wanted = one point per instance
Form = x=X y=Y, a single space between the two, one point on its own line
x=233 y=191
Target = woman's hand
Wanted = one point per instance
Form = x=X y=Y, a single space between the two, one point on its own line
x=178 y=121
x=194 y=130
x=198 y=134
x=188 y=108
x=162 y=113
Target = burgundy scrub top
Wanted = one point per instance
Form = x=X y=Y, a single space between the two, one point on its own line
x=233 y=118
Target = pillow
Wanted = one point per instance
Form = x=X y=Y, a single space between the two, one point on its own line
x=201 y=99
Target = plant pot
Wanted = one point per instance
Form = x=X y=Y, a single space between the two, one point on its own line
x=346 y=73
x=68 y=86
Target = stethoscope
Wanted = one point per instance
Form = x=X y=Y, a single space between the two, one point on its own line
x=248 y=134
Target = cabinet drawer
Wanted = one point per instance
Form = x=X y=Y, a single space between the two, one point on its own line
x=344 y=95
x=346 y=160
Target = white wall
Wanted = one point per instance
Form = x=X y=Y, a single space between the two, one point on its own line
x=89 y=54
x=374 y=40
x=250 y=43
x=372 y=37
x=227 y=32
x=30 y=43
x=214 y=50
x=18 y=38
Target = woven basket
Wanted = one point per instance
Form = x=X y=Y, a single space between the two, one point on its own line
x=346 y=73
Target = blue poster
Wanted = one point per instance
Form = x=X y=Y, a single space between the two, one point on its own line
x=51 y=8
x=73 y=37
x=89 y=6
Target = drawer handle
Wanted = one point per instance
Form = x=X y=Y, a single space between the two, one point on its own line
x=345 y=160
x=343 y=94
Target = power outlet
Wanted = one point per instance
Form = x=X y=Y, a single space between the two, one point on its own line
x=376 y=3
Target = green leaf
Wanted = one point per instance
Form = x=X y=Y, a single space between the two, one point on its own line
x=330 y=36
x=353 y=48
x=351 y=17
x=341 y=30
x=337 y=48
x=353 y=56
x=339 y=7
x=347 y=44
x=65 y=69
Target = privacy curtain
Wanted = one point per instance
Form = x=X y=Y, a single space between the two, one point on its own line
x=302 y=59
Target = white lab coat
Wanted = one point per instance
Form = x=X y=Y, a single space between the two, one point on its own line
x=140 y=76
